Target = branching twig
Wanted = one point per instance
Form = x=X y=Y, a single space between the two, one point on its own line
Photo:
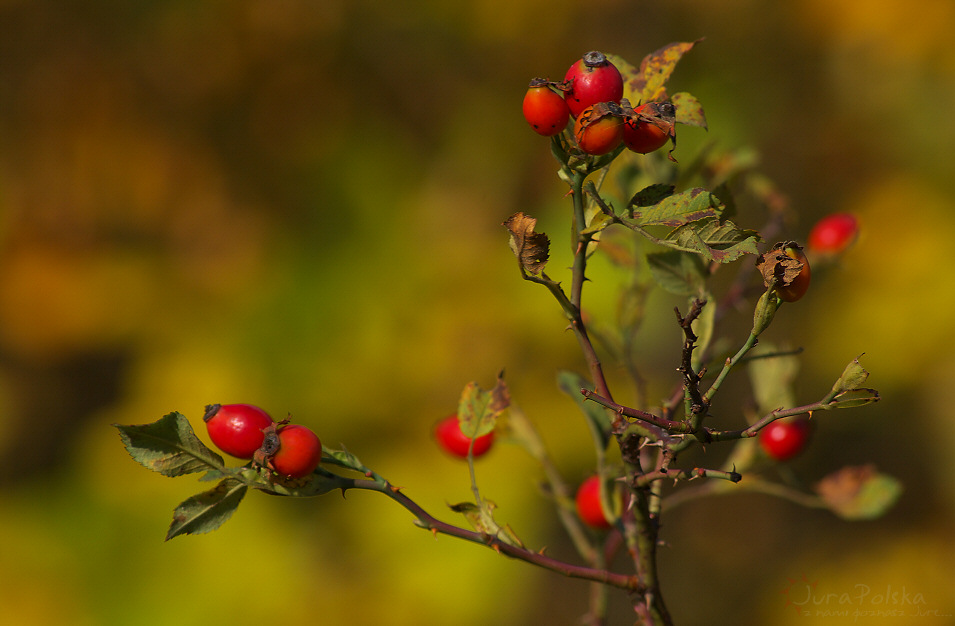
x=670 y=426
x=684 y=474
x=424 y=519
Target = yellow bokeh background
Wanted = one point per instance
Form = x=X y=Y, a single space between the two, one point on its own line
x=297 y=204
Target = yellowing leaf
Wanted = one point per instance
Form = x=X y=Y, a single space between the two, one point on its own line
x=479 y=409
x=859 y=492
x=648 y=82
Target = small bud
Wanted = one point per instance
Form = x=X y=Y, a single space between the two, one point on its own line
x=766 y=308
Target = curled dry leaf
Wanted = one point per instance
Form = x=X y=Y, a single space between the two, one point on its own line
x=531 y=249
x=776 y=265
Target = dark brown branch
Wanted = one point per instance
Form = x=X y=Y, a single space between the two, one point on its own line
x=670 y=426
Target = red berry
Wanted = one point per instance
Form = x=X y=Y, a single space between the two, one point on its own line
x=599 y=128
x=236 y=429
x=785 y=438
x=449 y=436
x=299 y=451
x=545 y=109
x=797 y=288
x=588 y=504
x=591 y=80
x=642 y=135
x=833 y=233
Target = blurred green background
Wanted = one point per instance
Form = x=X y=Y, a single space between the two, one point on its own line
x=297 y=204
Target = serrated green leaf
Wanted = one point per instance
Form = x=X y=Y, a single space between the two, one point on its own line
x=598 y=419
x=715 y=241
x=689 y=111
x=680 y=273
x=479 y=409
x=168 y=446
x=676 y=210
x=650 y=196
x=208 y=510
x=859 y=493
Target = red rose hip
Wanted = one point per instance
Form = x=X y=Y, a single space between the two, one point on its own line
x=599 y=128
x=236 y=429
x=591 y=80
x=588 y=505
x=545 y=109
x=833 y=234
x=785 y=438
x=299 y=451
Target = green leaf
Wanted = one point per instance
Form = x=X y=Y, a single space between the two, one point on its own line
x=715 y=241
x=689 y=111
x=651 y=195
x=854 y=397
x=853 y=377
x=648 y=82
x=168 y=446
x=317 y=483
x=859 y=492
x=208 y=510
x=597 y=221
x=681 y=273
x=598 y=419
x=848 y=391
x=674 y=210
x=479 y=409
x=696 y=217
x=342 y=458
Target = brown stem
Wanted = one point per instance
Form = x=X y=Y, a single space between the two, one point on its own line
x=665 y=424
x=436 y=526
x=696 y=405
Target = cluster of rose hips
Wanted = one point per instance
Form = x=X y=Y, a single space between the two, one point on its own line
x=247 y=432
x=592 y=93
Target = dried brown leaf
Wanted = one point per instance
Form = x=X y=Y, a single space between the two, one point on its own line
x=776 y=265
x=532 y=249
